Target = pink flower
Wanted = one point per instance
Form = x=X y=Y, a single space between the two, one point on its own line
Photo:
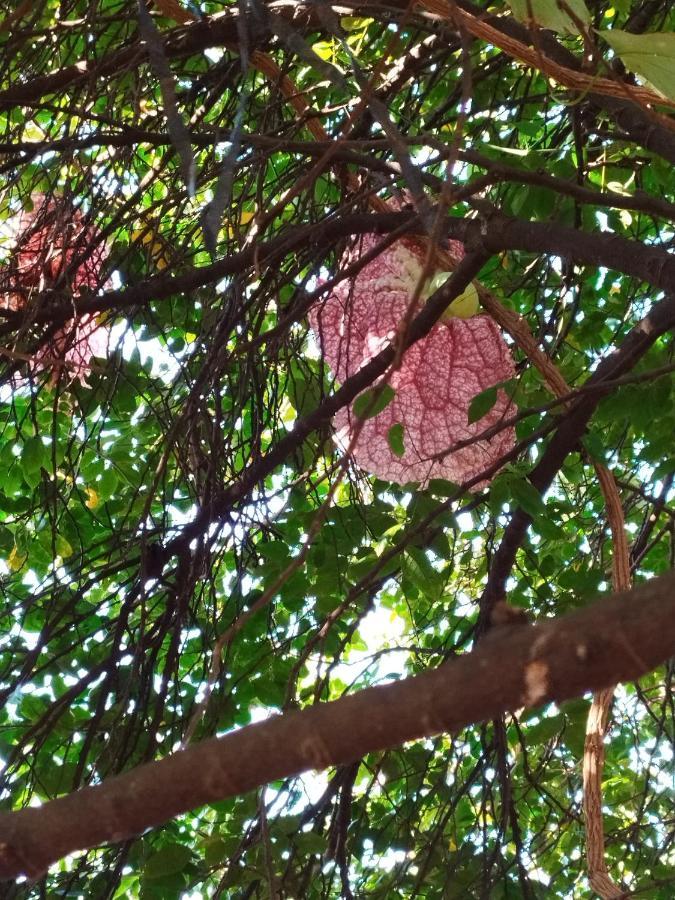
x=438 y=377
x=55 y=247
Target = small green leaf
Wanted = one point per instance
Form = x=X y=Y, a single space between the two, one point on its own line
x=63 y=547
x=442 y=488
x=355 y=23
x=324 y=50
x=527 y=497
x=371 y=402
x=34 y=455
x=107 y=484
x=482 y=404
x=170 y=859
x=395 y=439
x=650 y=55
x=594 y=446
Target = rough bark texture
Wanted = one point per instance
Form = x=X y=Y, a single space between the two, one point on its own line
x=613 y=640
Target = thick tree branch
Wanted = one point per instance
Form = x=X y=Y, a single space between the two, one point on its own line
x=651 y=264
x=613 y=640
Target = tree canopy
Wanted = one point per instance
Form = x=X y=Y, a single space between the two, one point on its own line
x=337 y=347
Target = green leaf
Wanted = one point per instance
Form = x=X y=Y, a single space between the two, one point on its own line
x=482 y=404
x=395 y=439
x=527 y=497
x=549 y=14
x=442 y=488
x=170 y=859
x=215 y=851
x=543 y=731
x=593 y=444
x=324 y=49
x=417 y=566
x=126 y=888
x=465 y=306
x=34 y=456
x=107 y=484
x=371 y=402
x=651 y=56
x=355 y=23
x=63 y=547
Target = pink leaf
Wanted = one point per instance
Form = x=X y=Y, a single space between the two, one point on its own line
x=55 y=247
x=438 y=377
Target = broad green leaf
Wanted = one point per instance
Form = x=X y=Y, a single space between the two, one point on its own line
x=442 y=488
x=546 y=729
x=550 y=14
x=215 y=851
x=594 y=446
x=650 y=55
x=417 y=566
x=107 y=484
x=127 y=886
x=372 y=401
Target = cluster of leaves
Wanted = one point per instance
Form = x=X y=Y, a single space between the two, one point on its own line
x=143 y=514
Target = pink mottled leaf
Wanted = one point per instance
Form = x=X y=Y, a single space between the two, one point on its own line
x=435 y=384
x=55 y=247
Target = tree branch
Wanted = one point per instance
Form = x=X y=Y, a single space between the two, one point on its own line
x=651 y=264
x=613 y=640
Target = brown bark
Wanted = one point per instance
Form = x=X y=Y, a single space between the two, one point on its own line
x=618 y=639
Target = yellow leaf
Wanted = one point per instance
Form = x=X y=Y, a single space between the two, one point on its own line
x=246 y=216
x=465 y=306
x=16 y=559
x=63 y=547
x=355 y=23
x=155 y=244
x=324 y=49
x=92 y=500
